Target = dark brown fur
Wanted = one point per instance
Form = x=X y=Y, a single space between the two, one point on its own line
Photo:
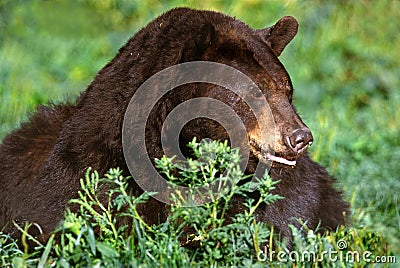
x=41 y=162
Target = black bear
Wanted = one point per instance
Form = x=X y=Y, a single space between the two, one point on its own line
x=42 y=162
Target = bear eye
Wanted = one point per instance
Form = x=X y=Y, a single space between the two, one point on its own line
x=257 y=94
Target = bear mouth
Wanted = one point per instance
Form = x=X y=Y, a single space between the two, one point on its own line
x=269 y=155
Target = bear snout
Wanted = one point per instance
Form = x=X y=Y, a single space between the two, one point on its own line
x=299 y=140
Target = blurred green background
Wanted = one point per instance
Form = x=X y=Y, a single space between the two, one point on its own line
x=344 y=64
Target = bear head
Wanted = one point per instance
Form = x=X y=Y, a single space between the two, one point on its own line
x=214 y=37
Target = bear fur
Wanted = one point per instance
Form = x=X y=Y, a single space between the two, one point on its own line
x=42 y=161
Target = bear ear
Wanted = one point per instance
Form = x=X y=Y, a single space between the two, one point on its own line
x=279 y=35
x=195 y=46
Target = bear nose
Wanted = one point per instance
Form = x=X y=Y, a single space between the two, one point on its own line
x=300 y=139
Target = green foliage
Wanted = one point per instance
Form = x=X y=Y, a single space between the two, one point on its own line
x=215 y=158
x=107 y=230
x=9 y=250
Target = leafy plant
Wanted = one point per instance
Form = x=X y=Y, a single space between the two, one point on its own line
x=107 y=230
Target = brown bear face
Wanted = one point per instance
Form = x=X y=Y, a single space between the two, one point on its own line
x=254 y=53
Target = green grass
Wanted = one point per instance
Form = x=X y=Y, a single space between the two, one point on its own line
x=343 y=64
x=196 y=236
